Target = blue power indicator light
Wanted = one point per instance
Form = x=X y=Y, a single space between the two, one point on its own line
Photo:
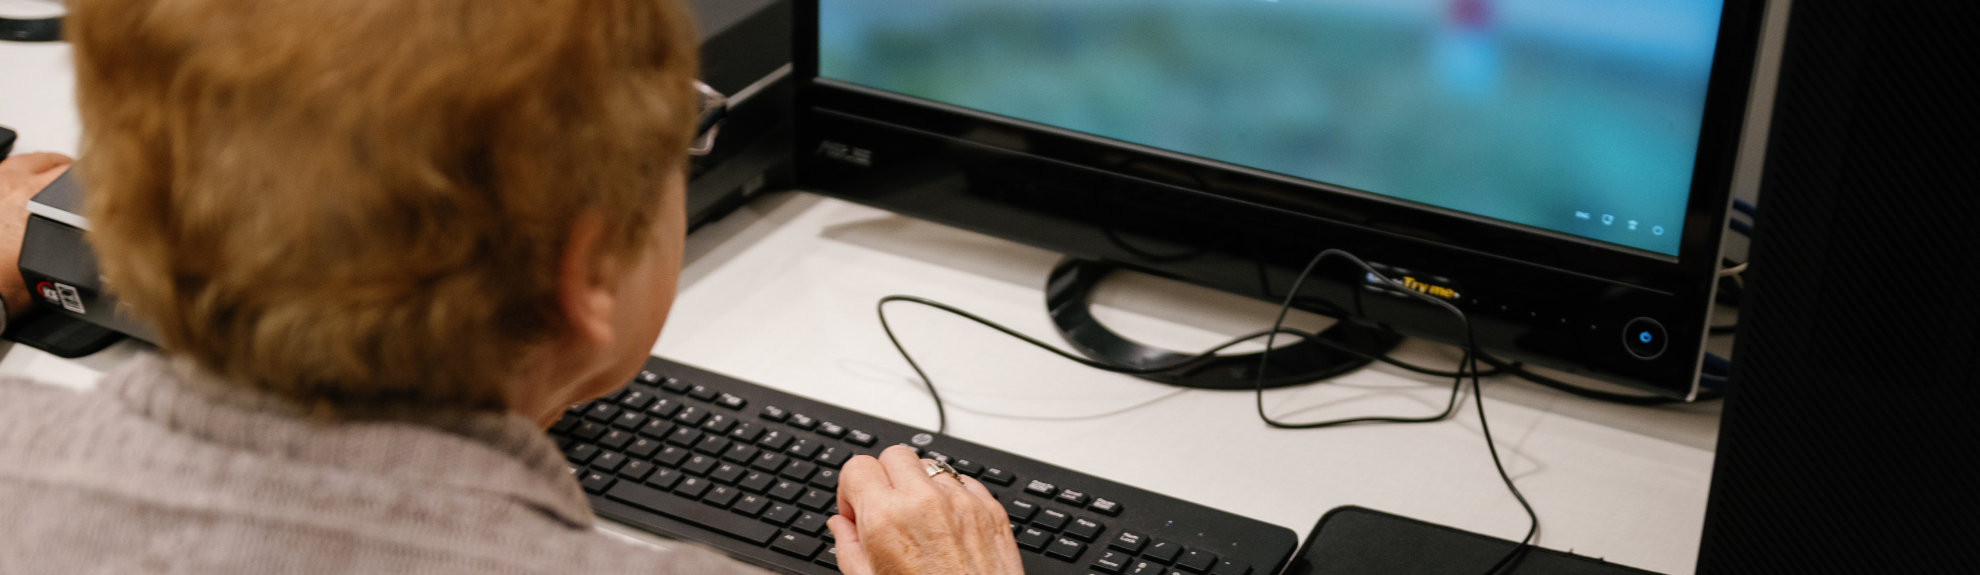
x=1644 y=337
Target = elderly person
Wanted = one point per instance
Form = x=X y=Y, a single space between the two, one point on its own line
x=385 y=243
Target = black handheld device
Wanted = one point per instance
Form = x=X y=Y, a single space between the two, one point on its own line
x=1352 y=540
x=34 y=30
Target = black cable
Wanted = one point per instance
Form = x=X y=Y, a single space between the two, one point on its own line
x=1468 y=362
x=941 y=412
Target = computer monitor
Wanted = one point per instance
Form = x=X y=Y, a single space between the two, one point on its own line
x=1559 y=170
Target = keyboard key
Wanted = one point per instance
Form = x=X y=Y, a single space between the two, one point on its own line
x=746 y=432
x=803 y=449
x=1040 y=488
x=809 y=523
x=797 y=545
x=657 y=428
x=565 y=424
x=615 y=439
x=802 y=421
x=601 y=412
x=647 y=377
x=1073 y=498
x=1105 y=507
x=731 y=401
x=1050 y=519
x=608 y=461
x=721 y=496
x=787 y=490
x=691 y=416
x=692 y=487
x=757 y=481
x=1197 y=560
x=703 y=392
x=1020 y=510
x=1128 y=541
x=643 y=447
x=830 y=558
x=588 y=431
x=832 y=430
x=674 y=385
x=629 y=420
x=997 y=476
x=713 y=445
x=800 y=470
x=1084 y=529
x=1162 y=551
x=770 y=461
x=774 y=413
x=699 y=464
x=860 y=438
x=597 y=481
x=637 y=399
x=684 y=436
x=664 y=408
x=750 y=504
x=727 y=473
x=938 y=457
x=967 y=467
x=636 y=470
x=775 y=440
x=826 y=479
x=1111 y=562
x=1145 y=568
x=816 y=500
x=741 y=453
x=1033 y=539
x=781 y=513
x=1065 y=549
x=714 y=519
x=663 y=479
x=670 y=456
x=581 y=454
x=835 y=456
x=719 y=423
x=1229 y=567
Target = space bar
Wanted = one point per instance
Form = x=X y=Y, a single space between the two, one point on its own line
x=687 y=510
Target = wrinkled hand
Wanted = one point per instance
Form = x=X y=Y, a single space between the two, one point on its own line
x=21 y=177
x=896 y=520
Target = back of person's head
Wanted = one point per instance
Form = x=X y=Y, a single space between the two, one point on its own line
x=350 y=202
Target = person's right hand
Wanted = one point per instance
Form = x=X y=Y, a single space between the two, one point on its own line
x=21 y=177
x=895 y=519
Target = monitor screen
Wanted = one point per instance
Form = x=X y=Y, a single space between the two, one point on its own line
x=1576 y=116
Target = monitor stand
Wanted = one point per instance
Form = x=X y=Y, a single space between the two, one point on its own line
x=1066 y=295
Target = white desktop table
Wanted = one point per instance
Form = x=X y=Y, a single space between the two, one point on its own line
x=782 y=293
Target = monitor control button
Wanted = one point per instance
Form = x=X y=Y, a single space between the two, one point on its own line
x=1644 y=338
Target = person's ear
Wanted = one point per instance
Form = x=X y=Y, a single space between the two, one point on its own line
x=585 y=284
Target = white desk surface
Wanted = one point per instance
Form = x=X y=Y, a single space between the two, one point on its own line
x=782 y=293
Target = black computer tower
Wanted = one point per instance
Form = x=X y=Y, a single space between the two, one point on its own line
x=1851 y=435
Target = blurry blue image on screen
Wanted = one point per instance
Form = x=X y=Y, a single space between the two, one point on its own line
x=1579 y=116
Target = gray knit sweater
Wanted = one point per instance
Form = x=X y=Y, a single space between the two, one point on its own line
x=160 y=470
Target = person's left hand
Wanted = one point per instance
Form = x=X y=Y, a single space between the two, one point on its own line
x=21 y=177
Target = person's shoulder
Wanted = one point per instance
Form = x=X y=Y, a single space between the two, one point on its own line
x=24 y=401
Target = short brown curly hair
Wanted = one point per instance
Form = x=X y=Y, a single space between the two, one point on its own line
x=351 y=202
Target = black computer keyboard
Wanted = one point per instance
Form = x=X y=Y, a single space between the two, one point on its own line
x=753 y=472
